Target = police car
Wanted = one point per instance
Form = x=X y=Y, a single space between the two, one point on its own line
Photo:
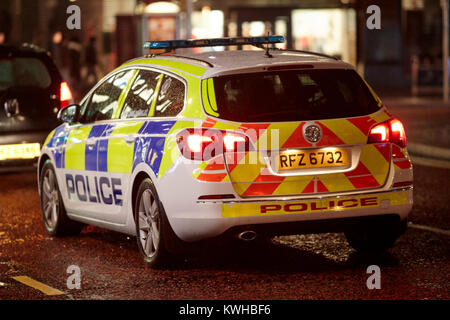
x=174 y=149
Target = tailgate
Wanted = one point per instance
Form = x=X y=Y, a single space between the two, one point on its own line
x=258 y=173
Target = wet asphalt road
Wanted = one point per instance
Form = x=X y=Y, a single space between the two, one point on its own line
x=293 y=267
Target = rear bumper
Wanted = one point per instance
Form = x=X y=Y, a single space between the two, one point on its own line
x=324 y=214
x=321 y=226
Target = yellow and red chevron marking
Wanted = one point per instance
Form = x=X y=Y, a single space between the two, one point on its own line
x=211 y=171
x=253 y=179
x=400 y=158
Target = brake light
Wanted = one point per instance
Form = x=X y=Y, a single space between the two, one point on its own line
x=230 y=141
x=204 y=144
x=379 y=133
x=398 y=135
x=388 y=131
x=65 y=94
x=196 y=142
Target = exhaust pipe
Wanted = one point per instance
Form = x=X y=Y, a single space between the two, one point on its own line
x=248 y=235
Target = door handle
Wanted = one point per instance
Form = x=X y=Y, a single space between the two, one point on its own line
x=91 y=143
x=129 y=139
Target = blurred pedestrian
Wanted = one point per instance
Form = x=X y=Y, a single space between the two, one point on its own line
x=91 y=61
x=74 y=46
x=58 y=48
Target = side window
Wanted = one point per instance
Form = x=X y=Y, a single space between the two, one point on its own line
x=141 y=95
x=104 y=100
x=170 y=100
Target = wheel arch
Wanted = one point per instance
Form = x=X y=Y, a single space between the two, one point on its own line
x=140 y=176
x=42 y=160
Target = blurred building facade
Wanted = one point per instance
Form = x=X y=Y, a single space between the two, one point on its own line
x=411 y=30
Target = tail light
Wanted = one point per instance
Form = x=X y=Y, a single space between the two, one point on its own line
x=388 y=131
x=397 y=133
x=65 y=95
x=205 y=144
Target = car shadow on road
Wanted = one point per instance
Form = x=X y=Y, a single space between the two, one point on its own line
x=267 y=255
x=270 y=256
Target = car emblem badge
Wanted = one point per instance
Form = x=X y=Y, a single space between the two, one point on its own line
x=11 y=107
x=312 y=133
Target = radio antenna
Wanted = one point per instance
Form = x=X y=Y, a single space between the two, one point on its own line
x=267 y=53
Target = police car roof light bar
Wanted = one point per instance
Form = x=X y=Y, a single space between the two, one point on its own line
x=178 y=44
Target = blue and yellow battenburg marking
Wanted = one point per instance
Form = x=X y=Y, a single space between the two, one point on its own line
x=110 y=152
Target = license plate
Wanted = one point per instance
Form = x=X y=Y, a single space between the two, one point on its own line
x=316 y=158
x=20 y=151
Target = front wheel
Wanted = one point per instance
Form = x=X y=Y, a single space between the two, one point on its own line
x=54 y=215
x=152 y=227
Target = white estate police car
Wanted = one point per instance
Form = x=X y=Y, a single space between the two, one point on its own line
x=179 y=148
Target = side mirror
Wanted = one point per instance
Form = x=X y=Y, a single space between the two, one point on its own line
x=70 y=114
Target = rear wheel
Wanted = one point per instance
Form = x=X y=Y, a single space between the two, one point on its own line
x=377 y=238
x=152 y=227
x=54 y=214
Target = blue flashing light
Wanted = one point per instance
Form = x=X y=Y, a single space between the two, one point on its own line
x=175 y=44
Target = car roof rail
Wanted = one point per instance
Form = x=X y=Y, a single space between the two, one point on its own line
x=307 y=52
x=181 y=57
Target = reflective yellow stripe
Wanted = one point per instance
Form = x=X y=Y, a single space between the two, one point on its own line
x=212 y=94
x=292 y=187
x=379 y=102
x=310 y=206
x=276 y=133
x=199 y=169
x=346 y=131
x=190 y=68
x=75 y=150
x=380 y=116
x=123 y=96
x=337 y=182
x=248 y=169
x=206 y=103
x=375 y=163
x=120 y=153
x=151 y=112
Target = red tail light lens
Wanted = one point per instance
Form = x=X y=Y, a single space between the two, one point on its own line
x=231 y=141
x=379 y=133
x=398 y=135
x=65 y=95
x=204 y=144
x=196 y=142
x=388 y=131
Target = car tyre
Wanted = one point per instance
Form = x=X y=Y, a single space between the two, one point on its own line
x=154 y=233
x=54 y=214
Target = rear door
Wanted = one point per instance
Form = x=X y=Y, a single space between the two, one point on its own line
x=140 y=136
x=309 y=129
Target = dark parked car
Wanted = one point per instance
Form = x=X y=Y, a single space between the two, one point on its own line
x=32 y=92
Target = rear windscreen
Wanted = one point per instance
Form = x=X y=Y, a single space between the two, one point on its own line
x=293 y=96
x=23 y=72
